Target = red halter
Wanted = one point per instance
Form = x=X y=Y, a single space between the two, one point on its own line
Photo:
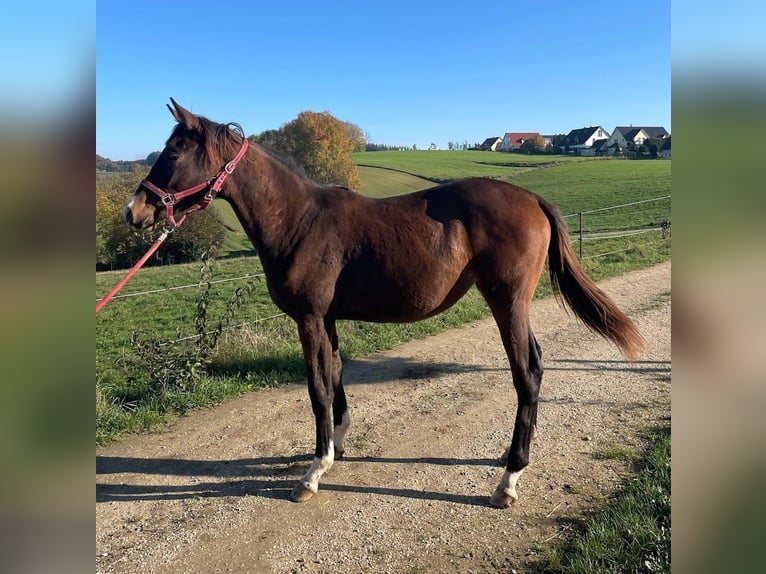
x=213 y=185
x=169 y=199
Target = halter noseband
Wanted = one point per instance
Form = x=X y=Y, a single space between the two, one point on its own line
x=213 y=185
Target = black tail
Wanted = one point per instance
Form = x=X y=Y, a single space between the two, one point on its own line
x=574 y=288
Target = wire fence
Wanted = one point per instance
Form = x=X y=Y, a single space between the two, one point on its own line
x=579 y=236
x=227 y=328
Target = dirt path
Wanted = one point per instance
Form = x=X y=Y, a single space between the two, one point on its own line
x=429 y=420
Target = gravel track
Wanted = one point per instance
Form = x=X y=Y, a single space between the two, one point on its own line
x=429 y=420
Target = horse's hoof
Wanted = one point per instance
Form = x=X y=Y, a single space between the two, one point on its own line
x=500 y=499
x=301 y=493
x=339 y=454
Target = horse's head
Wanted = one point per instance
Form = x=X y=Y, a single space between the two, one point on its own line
x=184 y=176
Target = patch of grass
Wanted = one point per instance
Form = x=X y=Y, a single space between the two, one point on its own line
x=632 y=534
x=382 y=182
x=440 y=165
x=617 y=452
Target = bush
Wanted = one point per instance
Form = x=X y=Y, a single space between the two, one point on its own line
x=118 y=247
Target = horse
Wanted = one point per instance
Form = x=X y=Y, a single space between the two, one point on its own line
x=331 y=254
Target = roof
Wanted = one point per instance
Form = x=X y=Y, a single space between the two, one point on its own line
x=651 y=131
x=576 y=137
x=518 y=138
x=489 y=141
x=656 y=132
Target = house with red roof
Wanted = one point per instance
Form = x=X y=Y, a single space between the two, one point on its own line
x=514 y=140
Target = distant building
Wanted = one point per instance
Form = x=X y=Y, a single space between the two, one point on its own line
x=626 y=139
x=582 y=140
x=490 y=144
x=514 y=140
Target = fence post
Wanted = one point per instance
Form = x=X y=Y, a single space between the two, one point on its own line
x=579 y=214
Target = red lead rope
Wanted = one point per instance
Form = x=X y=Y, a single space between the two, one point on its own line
x=132 y=271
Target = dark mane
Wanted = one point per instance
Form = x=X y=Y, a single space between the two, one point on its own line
x=222 y=141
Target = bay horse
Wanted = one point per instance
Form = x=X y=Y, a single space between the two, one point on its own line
x=331 y=254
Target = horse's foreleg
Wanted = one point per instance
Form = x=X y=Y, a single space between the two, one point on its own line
x=341 y=416
x=317 y=353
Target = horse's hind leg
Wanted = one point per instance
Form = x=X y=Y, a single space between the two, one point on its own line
x=536 y=369
x=510 y=308
x=341 y=417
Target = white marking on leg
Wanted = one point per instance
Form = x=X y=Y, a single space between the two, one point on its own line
x=339 y=435
x=505 y=493
x=508 y=483
x=320 y=465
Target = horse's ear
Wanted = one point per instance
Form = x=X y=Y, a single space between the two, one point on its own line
x=183 y=116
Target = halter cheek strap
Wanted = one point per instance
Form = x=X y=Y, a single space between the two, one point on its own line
x=213 y=186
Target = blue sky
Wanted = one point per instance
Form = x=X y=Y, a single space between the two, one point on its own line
x=405 y=72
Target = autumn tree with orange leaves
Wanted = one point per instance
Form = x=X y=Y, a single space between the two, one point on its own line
x=321 y=144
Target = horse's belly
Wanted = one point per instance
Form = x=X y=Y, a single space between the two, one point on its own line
x=391 y=302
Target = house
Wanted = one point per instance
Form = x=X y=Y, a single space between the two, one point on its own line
x=490 y=144
x=625 y=138
x=665 y=149
x=597 y=149
x=514 y=140
x=582 y=139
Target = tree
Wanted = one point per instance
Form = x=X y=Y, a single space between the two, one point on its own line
x=118 y=247
x=357 y=136
x=556 y=141
x=654 y=145
x=321 y=144
x=533 y=145
x=151 y=159
x=269 y=138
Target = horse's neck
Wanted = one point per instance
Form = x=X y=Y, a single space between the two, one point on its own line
x=270 y=201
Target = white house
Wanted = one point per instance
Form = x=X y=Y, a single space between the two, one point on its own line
x=490 y=144
x=580 y=141
x=631 y=137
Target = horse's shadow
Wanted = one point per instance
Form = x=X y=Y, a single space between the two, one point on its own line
x=266 y=477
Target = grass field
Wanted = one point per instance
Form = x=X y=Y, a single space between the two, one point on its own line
x=440 y=166
x=575 y=184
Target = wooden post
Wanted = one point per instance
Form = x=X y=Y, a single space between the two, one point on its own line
x=580 y=217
